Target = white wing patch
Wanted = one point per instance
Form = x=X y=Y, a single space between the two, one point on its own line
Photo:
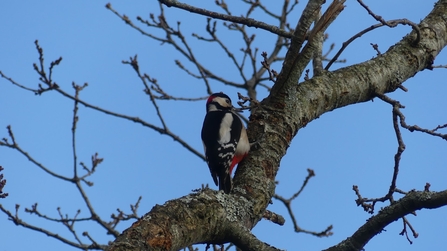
x=243 y=145
x=225 y=129
x=204 y=150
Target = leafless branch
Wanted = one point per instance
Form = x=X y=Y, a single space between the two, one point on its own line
x=413 y=128
x=439 y=127
x=249 y=54
x=69 y=222
x=376 y=48
x=298 y=58
x=77 y=89
x=15 y=145
x=165 y=96
x=125 y=217
x=15 y=218
x=406 y=224
x=134 y=63
x=274 y=217
x=317 y=61
x=240 y=20
x=212 y=31
x=361 y=33
x=54 y=86
x=17 y=84
x=394 y=24
x=170 y=33
x=76 y=180
x=272 y=73
x=413 y=201
x=245 y=240
x=368 y=204
x=391 y=24
x=63 y=219
x=288 y=204
x=2 y=185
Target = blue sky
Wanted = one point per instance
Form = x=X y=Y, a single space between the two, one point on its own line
x=354 y=145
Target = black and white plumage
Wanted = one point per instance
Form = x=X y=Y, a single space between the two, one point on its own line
x=224 y=139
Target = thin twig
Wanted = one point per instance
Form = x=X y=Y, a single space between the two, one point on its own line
x=345 y=44
x=274 y=217
x=240 y=20
x=2 y=185
x=394 y=24
x=77 y=89
x=33 y=210
x=19 y=222
x=15 y=145
x=134 y=63
x=288 y=204
x=108 y=112
x=412 y=128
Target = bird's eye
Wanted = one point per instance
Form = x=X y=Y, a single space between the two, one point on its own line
x=228 y=101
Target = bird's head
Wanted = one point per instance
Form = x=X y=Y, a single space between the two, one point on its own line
x=218 y=102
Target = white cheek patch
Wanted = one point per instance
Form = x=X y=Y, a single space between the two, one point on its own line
x=225 y=128
x=222 y=102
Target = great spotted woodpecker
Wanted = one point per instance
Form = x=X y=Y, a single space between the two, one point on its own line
x=224 y=139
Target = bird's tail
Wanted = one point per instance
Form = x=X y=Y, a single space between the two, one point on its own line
x=225 y=183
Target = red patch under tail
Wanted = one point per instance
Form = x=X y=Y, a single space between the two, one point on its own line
x=235 y=161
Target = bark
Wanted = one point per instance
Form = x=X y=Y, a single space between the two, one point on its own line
x=213 y=217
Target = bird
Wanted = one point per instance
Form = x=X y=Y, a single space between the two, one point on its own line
x=224 y=139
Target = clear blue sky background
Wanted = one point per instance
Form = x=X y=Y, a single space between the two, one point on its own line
x=353 y=145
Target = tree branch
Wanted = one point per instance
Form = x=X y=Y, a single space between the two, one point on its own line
x=2 y=185
x=15 y=145
x=53 y=86
x=288 y=204
x=415 y=200
x=19 y=222
x=292 y=107
x=296 y=59
x=245 y=240
x=240 y=20
x=209 y=214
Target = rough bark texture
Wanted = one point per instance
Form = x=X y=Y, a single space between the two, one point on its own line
x=212 y=217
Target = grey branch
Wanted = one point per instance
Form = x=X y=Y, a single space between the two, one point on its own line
x=240 y=20
x=411 y=202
